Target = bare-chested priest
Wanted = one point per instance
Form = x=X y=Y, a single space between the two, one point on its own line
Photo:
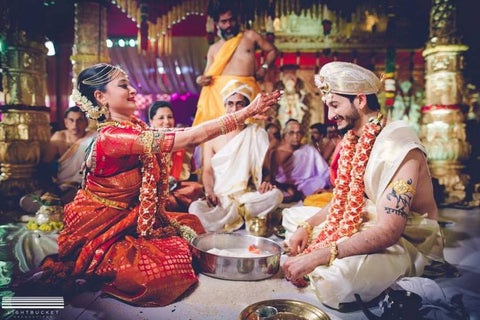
x=232 y=57
x=64 y=158
x=236 y=186
x=68 y=148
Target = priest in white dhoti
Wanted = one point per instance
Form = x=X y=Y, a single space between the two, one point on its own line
x=381 y=223
x=70 y=166
x=236 y=189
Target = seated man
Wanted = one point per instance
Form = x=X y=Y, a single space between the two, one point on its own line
x=273 y=131
x=317 y=132
x=299 y=170
x=63 y=159
x=182 y=191
x=65 y=154
x=235 y=188
x=330 y=142
x=380 y=225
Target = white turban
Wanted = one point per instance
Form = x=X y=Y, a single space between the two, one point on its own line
x=347 y=78
x=234 y=86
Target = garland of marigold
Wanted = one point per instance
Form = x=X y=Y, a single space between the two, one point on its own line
x=347 y=209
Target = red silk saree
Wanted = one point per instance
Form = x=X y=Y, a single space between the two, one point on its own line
x=117 y=227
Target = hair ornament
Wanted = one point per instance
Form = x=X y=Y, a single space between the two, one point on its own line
x=92 y=112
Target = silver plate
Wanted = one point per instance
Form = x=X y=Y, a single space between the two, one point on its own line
x=287 y=310
x=236 y=268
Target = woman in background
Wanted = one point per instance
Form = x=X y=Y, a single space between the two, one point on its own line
x=182 y=191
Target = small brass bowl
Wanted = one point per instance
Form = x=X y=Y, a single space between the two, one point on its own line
x=286 y=310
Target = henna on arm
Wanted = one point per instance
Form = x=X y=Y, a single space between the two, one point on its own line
x=227 y=123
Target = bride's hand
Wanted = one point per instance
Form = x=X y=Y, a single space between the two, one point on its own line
x=263 y=103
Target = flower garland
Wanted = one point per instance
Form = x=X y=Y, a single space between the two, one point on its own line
x=152 y=222
x=347 y=208
x=92 y=112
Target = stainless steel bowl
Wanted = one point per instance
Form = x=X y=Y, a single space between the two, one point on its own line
x=236 y=268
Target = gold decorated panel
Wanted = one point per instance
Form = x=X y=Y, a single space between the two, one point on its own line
x=305 y=43
x=24 y=135
x=87 y=15
x=443 y=134
x=13 y=116
x=89 y=46
x=443 y=88
x=445 y=60
x=24 y=132
x=20 y=152
x=24 y=79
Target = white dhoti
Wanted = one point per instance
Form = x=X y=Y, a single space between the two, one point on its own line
x=370 y=274
x=229 y=216
x=238 y=162
x=70 y=163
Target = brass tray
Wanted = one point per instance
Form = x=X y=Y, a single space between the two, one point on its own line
x=287 y=310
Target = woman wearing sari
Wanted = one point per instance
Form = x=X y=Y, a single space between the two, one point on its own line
x=183 y=191
x=117 y=227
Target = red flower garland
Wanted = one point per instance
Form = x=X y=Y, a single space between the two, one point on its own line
x=152 y=222
x=347 y=208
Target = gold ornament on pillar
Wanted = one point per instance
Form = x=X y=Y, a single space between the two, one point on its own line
x=90 y=46
x=24 y=128
x=443 y=125
x=90 y=41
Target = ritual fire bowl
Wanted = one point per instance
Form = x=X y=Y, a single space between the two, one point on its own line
x=222 y=264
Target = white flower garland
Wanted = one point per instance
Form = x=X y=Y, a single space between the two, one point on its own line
x=92 y=112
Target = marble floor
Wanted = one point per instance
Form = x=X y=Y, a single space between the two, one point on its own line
x=220 y=299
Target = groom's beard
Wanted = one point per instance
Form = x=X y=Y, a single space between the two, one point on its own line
x=229 y=32
x=350 y=120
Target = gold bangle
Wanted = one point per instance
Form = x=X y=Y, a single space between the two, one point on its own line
x=333 y=252
x=147 y=141
x=222 y=126
x=237 y=124
x=307 y=227
x=229 y=122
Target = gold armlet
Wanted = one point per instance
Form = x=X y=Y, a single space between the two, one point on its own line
x=147 y=141
x=402 y=187
x=333 y=252
x=305 y=225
